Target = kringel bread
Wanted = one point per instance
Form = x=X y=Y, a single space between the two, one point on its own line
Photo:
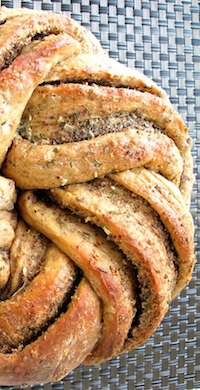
x=96 y=236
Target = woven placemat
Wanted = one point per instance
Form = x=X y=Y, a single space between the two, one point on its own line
x=162 y=39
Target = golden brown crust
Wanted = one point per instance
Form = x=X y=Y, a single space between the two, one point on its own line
x=165 y=198
x=49 y=166
x=103 y=266
x=102 y=70
x=22 y=77
x=18 y=81
x=62 y=353
x=25 y=24
x=130 y=223
x=28 y=312
x=71 y=293
x=97 y=101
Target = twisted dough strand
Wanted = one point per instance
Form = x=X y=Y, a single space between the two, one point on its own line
x=101 y=263
x=58 y=105
x=89 y=267
x=77 y=162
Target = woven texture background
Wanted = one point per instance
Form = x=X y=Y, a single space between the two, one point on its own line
x=162 y=39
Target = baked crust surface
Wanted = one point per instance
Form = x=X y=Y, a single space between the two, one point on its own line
x=96 y=237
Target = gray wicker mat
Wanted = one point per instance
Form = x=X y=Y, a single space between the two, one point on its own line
x=162 y=39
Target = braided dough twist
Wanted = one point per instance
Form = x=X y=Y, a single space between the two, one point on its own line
x=102 y=238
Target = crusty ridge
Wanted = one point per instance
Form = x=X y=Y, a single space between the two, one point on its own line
x=129 y=221
x=166 y=200
x=103 y=266
x=49 y=166
x=57 y=106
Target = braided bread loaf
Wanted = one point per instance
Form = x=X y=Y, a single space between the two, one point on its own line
x=101 y=238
